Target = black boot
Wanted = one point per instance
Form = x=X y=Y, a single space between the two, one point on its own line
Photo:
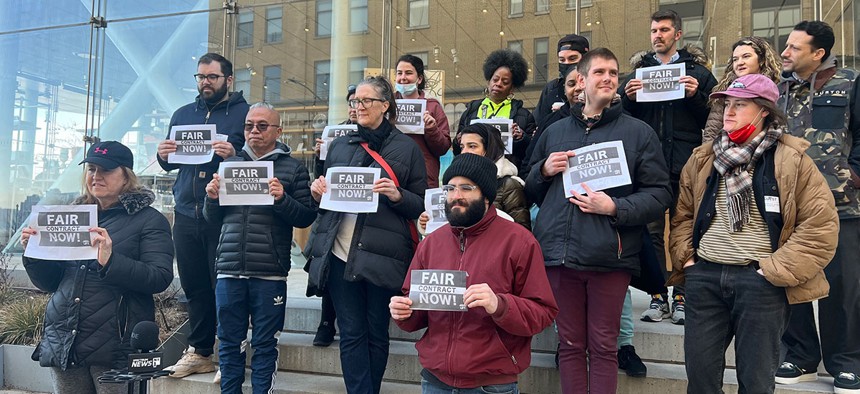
x=630 y=362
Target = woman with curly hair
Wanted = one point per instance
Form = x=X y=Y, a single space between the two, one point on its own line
x=504 y=70
x=750 y=55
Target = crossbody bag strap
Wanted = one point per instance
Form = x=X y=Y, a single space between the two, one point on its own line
x=382 y=163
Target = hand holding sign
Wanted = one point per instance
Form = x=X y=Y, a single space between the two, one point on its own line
x=276 y=189
x=165 y=148
x=594 y=202
x=213 y=186
x=223 y=149
x=429 y=120
x=632 y=87
x=556 y=163
x=318 y=188
x=387 y=188
x=400 y=307
x=26 y=233
x=481 y=295
x=101 y=240
x=690 y=85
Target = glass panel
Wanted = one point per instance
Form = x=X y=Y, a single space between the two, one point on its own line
x=245 y=30
x=274 y=21
x=516 y=7
x=356 y=69
x=358 y=16
x=542 y=6
x=323 y=18
x=242 y=82
x=541 y=60
x=419 y=15
x=516 y=46
x=322 y=76
x=272 y=84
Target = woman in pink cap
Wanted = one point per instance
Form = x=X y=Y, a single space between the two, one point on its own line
x=754 y=227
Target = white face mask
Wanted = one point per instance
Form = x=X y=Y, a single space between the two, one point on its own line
x=406 y=89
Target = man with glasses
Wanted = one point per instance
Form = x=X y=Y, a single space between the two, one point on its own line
x=508 y=299
x=195 y=240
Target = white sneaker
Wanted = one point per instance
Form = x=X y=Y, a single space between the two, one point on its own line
x=191 y=363
x=217 y=379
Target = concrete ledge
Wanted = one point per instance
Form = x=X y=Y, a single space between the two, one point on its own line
x=285 y=383
x=21 y=372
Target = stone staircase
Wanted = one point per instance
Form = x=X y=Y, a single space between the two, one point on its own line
x=304 y=368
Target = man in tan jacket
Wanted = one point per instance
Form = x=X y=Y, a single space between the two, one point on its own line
x=754 y=227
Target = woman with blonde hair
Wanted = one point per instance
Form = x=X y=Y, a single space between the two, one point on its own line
x=750 y=55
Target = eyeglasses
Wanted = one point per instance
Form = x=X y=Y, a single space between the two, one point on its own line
x=464 y=188
x=365 y=102
x=212 y=78
x=260 y=126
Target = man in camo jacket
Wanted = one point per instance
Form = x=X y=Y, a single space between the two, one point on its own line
x=821 y=102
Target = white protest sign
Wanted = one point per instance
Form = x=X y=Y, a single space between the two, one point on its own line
x=601 y=166
x=349 y=189
x=504 y=126
x=62 y=232
x=193 y=144
x=245 y=183
x=661 y=83
x=434 y=205
x=330 y=133
x=437 y=290
x=410 y=115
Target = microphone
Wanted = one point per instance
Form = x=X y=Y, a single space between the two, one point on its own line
x=144 y=338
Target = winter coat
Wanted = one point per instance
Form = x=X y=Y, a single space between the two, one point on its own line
x=510 y=196
x=382 y=244
x=678 y=123
x=584 y=241
x=435 y=141
x=474 y=348
x=93 y=309
x=521 y=116
x=189 y=189
x=803 y=233
x=552 y=92
x=256 y=239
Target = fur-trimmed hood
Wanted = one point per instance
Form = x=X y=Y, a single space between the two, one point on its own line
x=133 y=201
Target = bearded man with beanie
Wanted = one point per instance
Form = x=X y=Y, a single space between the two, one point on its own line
x=508 y=297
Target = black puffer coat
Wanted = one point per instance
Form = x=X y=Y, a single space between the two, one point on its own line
x=381 y=247
x=256 y=239
x=93 y=309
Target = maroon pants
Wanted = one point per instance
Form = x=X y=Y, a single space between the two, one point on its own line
x=588 y=320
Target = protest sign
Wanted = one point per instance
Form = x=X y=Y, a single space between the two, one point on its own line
x=437 y=290
x=434 y=205
x=504 y=126
x=349 y=189
x=245 y=183
x=193 y=144
x=410 y=115
x=660 y=83
x=601 y=166
x=62 y=232
x=330 y=133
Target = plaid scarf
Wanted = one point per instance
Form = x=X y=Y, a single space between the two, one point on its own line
x=733 y=162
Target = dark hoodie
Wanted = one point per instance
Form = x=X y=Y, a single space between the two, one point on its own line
x=229 y=118
x=678 y=123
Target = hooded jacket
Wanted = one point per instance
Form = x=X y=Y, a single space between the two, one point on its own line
x=825 y=111
x=91 y=313
x=583 y=241
x=435 y=141
x=474 y=348
x=189 y=189
x=678 y=123
x=382 y=245
x=803 y=234
x=521 y=116
x=256 y=239
x=510 y=196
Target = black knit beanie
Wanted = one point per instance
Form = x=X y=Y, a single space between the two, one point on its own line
x=478 y=169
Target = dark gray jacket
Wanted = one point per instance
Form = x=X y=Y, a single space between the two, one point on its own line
x=593 y=242
x=256 y=239
x=92 y=310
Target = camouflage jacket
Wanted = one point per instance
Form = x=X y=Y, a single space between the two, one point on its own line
x=828 y=116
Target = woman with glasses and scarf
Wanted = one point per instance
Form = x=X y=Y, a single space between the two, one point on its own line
x=754 y=227
x=361 y=259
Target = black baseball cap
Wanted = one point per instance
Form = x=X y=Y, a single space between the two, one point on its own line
x=350 y=90
x=109 y=155
x=573 y=42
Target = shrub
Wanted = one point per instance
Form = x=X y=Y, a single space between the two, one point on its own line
x=22 y=321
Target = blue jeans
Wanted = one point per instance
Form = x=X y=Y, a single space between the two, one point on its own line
x=264 y=301
x=510 y=388
x=725 y=301
x=363 y=318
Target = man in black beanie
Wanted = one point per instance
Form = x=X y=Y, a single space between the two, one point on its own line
x=506 y=282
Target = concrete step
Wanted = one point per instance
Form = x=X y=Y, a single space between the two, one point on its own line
x=285 y=383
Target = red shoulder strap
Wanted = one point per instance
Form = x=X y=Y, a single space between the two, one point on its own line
x=382 y=163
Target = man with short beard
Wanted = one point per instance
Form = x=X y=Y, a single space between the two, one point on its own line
x=508 y=298
x=194 y=239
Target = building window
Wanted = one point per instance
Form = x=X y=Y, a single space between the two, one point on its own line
x=322 y=71
x=775 y=22
x=571 y=4
x=541 y=59
x=516 y=8
x=516 y=46
x=245 y=32
x=323 y=18
x=692 y=31
x=242 y=82
x=423 y=56
x=357 y=16
x=274 y=25
x=272 y=84
x=419 y=13
x=542 y=7
x=356 y=69
x=692 y=13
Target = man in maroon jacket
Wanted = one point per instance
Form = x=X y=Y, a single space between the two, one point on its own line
x=507 y=298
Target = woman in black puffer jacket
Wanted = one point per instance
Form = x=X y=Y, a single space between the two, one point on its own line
x=96 y=303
